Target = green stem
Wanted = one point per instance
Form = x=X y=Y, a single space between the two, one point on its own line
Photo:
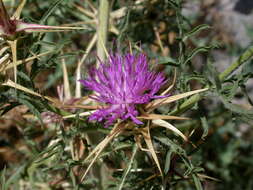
x=127 y=170
x=242 y=59
x=99 y=171
x=102 y=29
x=186 y=105
x=197 y=97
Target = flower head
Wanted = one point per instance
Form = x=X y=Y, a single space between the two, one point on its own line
x=122 y=83
x=10 y=26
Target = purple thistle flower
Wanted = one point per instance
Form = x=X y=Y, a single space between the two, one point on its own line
x=122 y=83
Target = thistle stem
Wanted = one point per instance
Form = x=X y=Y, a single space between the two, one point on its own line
x=102 y=29
x=242 y=59
x=13 y=45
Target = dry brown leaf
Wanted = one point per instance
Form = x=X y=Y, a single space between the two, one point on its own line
x=28 y=59
x=173 y=83
x=100 y=147
x=167 y=125
x=154 y=104
x=146 y=135
x=18 y=11
x=159 y=116
x=87 y=113
x=12 y=84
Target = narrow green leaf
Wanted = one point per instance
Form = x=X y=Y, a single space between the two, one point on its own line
x=168 y=142
x=48 y=149
x=195 y=31
x=3 y=179
x=205 y=127
x=23 y=76
x=197 y=182
x=167 y=161
x=213 y=74
x=15 y=177
x=196 y=51
x=50 y=10
x=167 y=61
x=129 y=166
x=31 y=107
x=41 y=160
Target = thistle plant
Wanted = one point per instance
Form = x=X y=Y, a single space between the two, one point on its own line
x=156 y=117
x=127 y=89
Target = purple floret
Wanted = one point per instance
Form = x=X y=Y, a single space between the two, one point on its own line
x=122 y=83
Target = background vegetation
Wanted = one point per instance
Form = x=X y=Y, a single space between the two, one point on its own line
x=42 y=147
